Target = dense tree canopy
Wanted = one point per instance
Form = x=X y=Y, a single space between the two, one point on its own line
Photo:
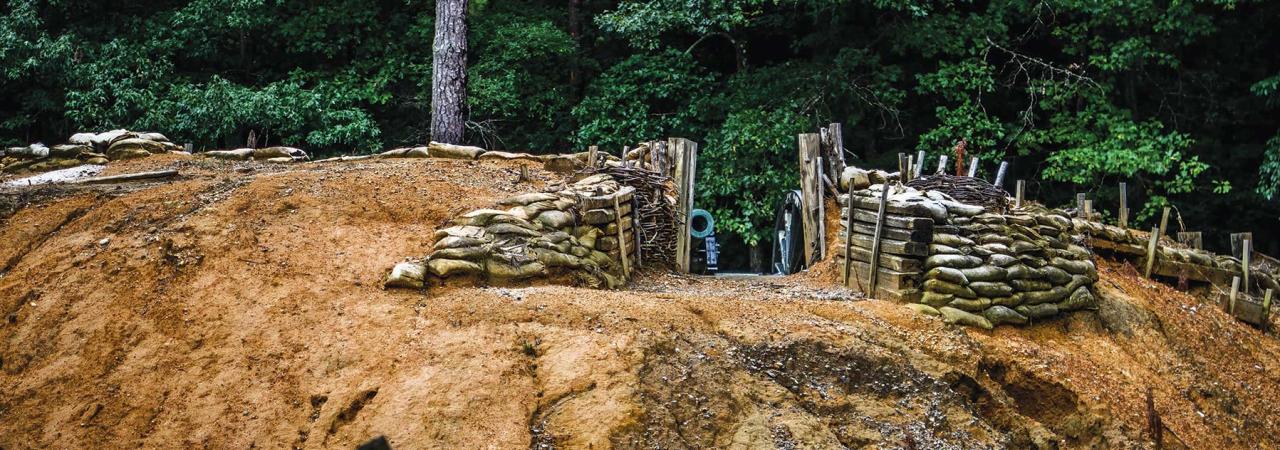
x=1179 y=98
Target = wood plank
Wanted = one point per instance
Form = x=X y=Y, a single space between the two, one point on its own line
x=891 y=280
x=897 y=234
x=809 y=145
x=1116 y=247
x=876 y=242
x=622 y=240
x=1195 y=272
x=625 y=194
x=605 y=216
x=848 y=248
x=1237 y=243
x=894 y=247
x=908 y=264
x=873 y=205
x=891 y=220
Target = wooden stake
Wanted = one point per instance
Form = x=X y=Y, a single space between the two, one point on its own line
x=875 y=242
x=810 y=144
x=1151 y=251
x=942 y=164
x=902 y=167
x=1266 y=310
x=1164 y=220
x=848 y=230
x=1080 y=196
x=622 y=242
x=919 y=164
x=635 y=230
x=1124 y=205
x=1237 y=244
x=1088 y=209
x=1235 y=289
x=1004 y=166
x=973 y=167
x=1020 y=191
x=1191 y=239
x=1245 y=263
x=593 y=153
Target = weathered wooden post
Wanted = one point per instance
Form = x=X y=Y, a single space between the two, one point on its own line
x=919 y=164
x=1020 y=193
x=942 y=164
x=1245 y=262
x=1235 y=290
x=622 y=241
x=593 y=153
x=848 y=236
x=875 y=241
x=189 y=147
x=1004 y=165
x=1088 y=209
x=1124 y=205
x=1080 y=196
x=1164 y=220
x=973 y=167
x=1151 y=251
x=811 y=194
x=686 y=166
x=1237 y=243
x=1266 y=310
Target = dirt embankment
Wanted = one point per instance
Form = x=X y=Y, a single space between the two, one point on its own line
x=236 y=308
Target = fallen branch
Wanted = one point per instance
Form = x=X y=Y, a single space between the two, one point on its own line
x=128 y=177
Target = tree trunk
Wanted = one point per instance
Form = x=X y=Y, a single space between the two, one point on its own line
x=449 y=71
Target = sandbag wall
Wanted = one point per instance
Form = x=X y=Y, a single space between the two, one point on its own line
x=583 y=231
x=85 y=148
x=965 y=264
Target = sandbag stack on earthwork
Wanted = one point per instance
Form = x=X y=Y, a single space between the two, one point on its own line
x=969 y=266
x=277 y=154
x=578 y=233
x=85 y=148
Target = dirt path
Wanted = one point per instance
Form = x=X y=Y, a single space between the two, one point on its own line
x=240 y=308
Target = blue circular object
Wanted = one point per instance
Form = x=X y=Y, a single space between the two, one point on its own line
x=709 y=224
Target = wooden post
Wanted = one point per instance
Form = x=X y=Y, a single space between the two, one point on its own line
x=1266 y=310
x=1245 y=262
x=902 y=167
x=1151 y=251
x=1124 y=205
x=189 y=147
x=635 y=230
x=686 y=156
x=1088 y=209
x=1080 y=196
x=593 y=153
x=1235 y=290
x=919 y=164
x=973 y=167
x=1237 y=244
x=1164 y=220
x=822 y=208
x=836 y=135
x=811 y=194
x=1004 y=166
x=1191 y=239
x=942 y=164
x=848 y=234
x=875 y=241
x=1020 y=191
x=622 y=242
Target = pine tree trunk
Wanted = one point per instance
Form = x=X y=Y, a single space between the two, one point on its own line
x=449 y=72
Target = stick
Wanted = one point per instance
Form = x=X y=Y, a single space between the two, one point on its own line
x=848 y=228
x=875 y=243
x=129 y=177
x=1235 y=289
x=1124 y=205
x=1151 y=251
x=1004 y=165
x=1020 y=189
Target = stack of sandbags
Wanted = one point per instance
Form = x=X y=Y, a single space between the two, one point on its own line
x=571 y=230
x=1007 y=269
x=856 y=179
x=450 y=151
x=278 y=154
x=86 y=148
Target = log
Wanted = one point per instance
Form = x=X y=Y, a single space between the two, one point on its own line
x=128 y=177
x=910 y=264
x=907 y=223
x=898 y=234
x=894 y=247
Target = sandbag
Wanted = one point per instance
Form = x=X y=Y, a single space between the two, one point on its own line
x=961 y=209
x=466 y=253
x=267 y=153
x=510 y=229
x=69 y=151
x=506 y=156
x=951 y=240
x=1037 y=311
x=1030 y=285
x=460 y=231
x=1001 y=260
x=947 y=274
x=923 y=309
x=553 y=258
x=995 y=248
x=956 y=316
x=944 y=287
x=153 y=136
x=239 y=154
x=989 y=219
x=525 y=199
x=936 y=299
x=999 y=315
x=991 y=289
x=939 y=249
x=1020 y=247
x=970 y=304
x=134 y=144
x=1055 y=275
x=1022 y=272
x=993 y=238
x=985 y=273
x=589 y=236
x=451 y=267
x=498 y=268
x=1082 y=298
x=555 y=218
x=854 y=178
x=1048 y=296
x=1010 y=301
x=450 y=151
x=455 y=242
x=953 y=261
x=81 y=139
x=1080 y=267
x=406 y=275
x=414 y=152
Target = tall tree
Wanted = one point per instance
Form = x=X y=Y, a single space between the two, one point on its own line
x=449 y=71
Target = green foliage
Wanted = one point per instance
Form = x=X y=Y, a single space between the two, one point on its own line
x=643 y=97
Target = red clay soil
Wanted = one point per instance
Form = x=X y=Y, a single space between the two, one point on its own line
x=241 y=306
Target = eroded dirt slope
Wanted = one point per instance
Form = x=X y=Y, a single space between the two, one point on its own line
x=244 y=308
